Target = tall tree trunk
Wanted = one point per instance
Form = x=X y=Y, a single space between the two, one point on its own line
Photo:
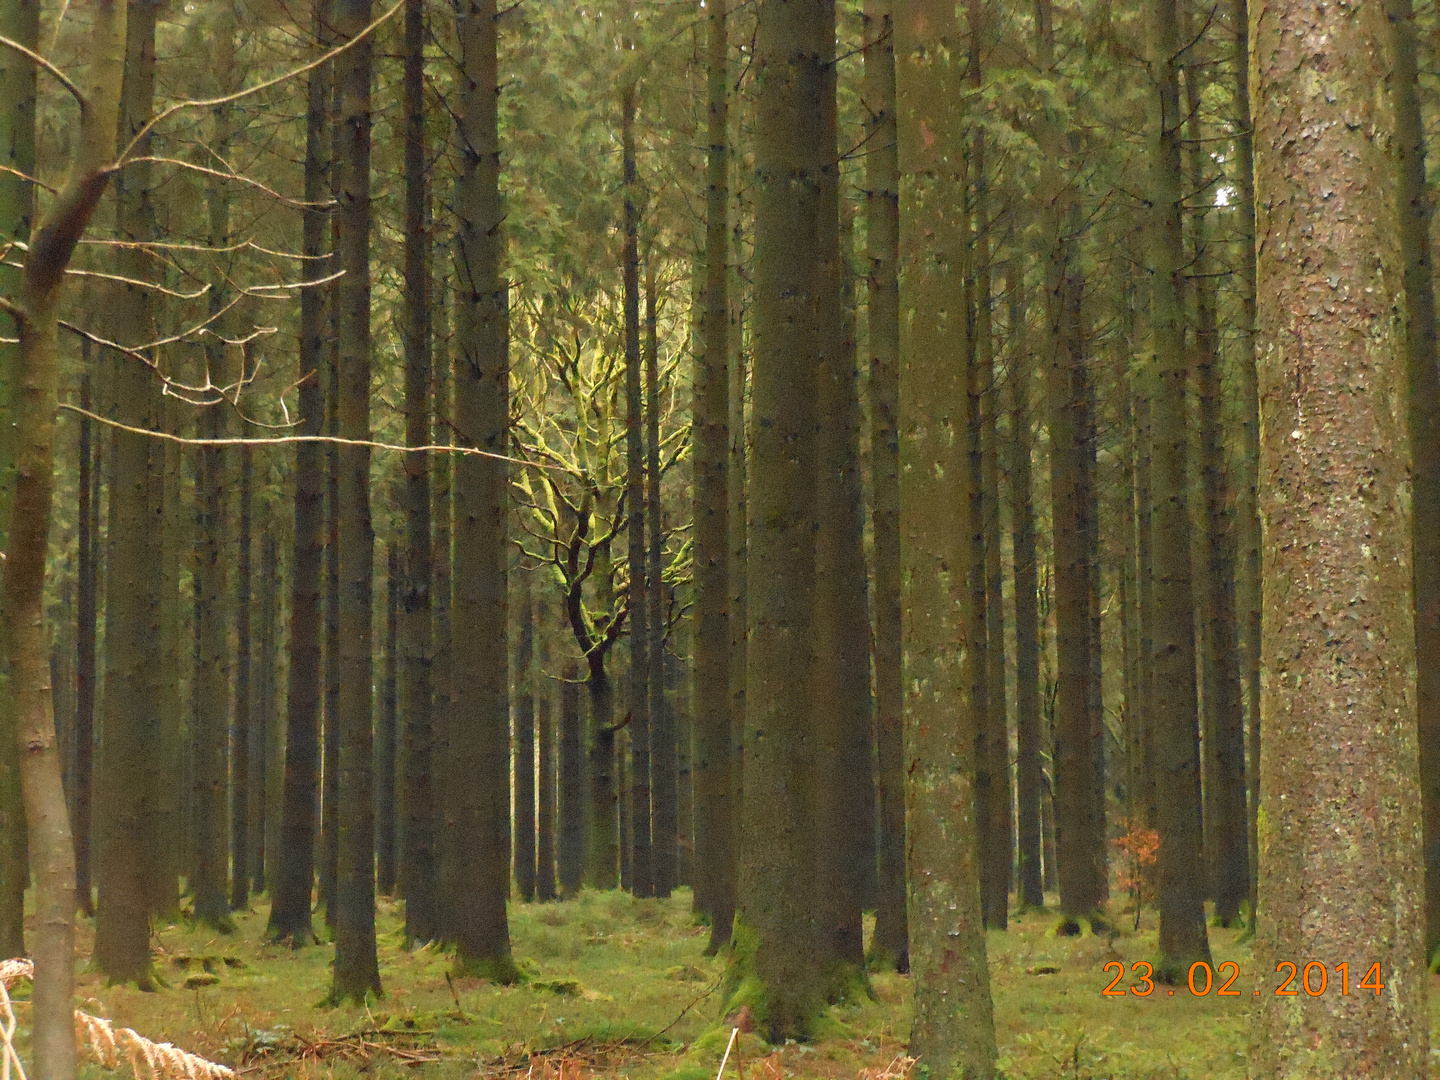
x=524 y=711
x=993 y=793
x=1247 y=513
x=638 y=683
x=662 y=716
x=1143 y=390
x=419 y=694
x=443 y=512
x=480 y=744
x=1225 y=840
x=570 y=862
x=212 y=675
x=1337 y=649
x=781 y=962
x=1080 y=850
x=713 y=740
x=1424 y=422
x=34 y=311
x=953 y=1026
x=726 y=880
x=130 y=732
x=242 y=725
x=356 y=970
x=1179 y=863
x=1028 y=777
x=386 y=743
x=266 y=715
x=843 y=783
x=882 y=212
x=330 y=767
x=602 y=853
x=19 y=21
x=88 y=577
x=295 y=859
x=545 y=727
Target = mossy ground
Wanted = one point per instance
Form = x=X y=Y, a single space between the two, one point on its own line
x=605 y=974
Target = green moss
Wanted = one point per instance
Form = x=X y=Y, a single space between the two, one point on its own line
x=500 y=970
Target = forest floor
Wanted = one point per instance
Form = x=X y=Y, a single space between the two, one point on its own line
x=619 y=987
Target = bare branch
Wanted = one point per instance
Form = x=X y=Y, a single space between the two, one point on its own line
x=223 y=175
x=278 y=440
x=59 y=75
x=181 y=106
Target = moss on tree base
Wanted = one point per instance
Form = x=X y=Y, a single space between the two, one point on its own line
x=500 y=970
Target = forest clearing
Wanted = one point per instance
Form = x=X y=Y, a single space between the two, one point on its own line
x=606 y=973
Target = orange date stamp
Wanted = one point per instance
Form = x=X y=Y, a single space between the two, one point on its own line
x=1313 y=979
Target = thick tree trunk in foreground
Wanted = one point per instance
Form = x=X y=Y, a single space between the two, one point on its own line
x=22 y=632
x=480 y=743
x=294 y=862
x=357 y=970
x=953 y=1027
x=1424 y=423
x=1340 y=846
x=1176 y=734
x=882 y=206
x=711 y=768
x=778 y=960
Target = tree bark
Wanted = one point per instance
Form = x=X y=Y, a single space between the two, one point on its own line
x=638 y=683
x=1247 y=513
x=882 y=209
x=22 y=631
x=1340 y=846
x=129 y=801
x=1179 y=863
x=1424 y=423
x=524 y=738
x=776 y=965
x=545 y=727
x=842 y=782
x=572 y=799
x=295 y=860
x=662 y=717
x=480 y=745
x=953 y=1026
x=212 y=673
x=19 y=21
x=386 y=742
x=1028 y=777
x=356 y=972
x=419 y=694
x=242 y=725
x=713 y=740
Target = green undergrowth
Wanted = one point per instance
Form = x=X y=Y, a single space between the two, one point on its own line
x=618 y=987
